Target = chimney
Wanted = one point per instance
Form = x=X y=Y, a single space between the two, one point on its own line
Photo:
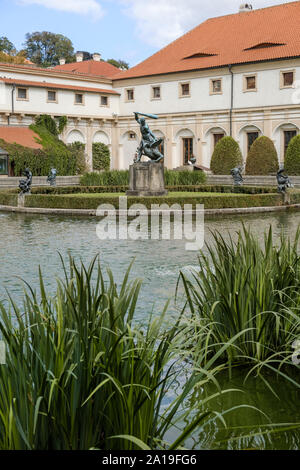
x=62 y=61
x=96 y=56
x=79 y=56
x=245 y=7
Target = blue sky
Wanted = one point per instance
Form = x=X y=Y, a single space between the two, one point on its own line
x=130 y=30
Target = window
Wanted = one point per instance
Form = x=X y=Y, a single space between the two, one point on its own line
x=187 y=150
x=288 y=135
x=250 y=83
x=104 y=100
x=156 y=93
x=3 y=165
x=130 y=94
x=22 y=94
x=216 y=86
x=79 y=98
x=184 y=89
x=251 y=137
x=52 y=96
x=287 y=79
x=217 y=137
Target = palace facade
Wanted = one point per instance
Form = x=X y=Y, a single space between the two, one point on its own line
x=233 y=75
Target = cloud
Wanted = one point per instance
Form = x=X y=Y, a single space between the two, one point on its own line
x=159 y=22
x=83 y=7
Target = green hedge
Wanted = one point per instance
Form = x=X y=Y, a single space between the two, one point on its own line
x=210 y=202
x=8 y=199
x=226 y=156
x=292 y=157
x=123 y=188
x=101 y=157
x=262 y=157
x=121 y=177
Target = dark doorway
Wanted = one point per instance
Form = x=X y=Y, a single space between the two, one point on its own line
x=288 y=135
x=252 y=136
x=187 y=150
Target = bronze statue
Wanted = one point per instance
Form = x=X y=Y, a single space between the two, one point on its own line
x=25 y=184
x=283 y=181
x=52 y=177
x=236 y=173
x=149 y=143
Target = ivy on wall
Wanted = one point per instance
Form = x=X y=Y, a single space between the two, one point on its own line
x=101 y=157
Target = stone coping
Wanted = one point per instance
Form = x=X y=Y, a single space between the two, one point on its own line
x=92 y=212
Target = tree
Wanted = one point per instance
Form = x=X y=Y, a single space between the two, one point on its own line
x=227 y=155
x=292 y=157
x=6 y=46
x=45 y=48
x=18 y=58
x=262 y=157
x=120 y=64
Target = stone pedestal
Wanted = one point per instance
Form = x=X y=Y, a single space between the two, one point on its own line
x=147 y=179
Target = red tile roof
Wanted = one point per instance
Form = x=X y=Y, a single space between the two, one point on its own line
x=230 y=39
x=90 y=67
x=57 y=86
x=20 y=135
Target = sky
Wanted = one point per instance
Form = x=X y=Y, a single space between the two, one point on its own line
x=130 y=30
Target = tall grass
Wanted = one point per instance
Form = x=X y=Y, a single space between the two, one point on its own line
x=241 y=286
x=81 y=374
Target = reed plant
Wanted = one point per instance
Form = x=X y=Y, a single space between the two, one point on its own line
x=244 y=286
x=81 y=373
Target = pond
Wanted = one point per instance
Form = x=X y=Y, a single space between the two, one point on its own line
x=28 y=241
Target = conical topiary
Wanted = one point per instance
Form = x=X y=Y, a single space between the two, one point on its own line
x=227 y=155
x=292 y=157
x=262 y=157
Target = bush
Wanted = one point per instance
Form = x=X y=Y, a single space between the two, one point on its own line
x=292 y=157
x=101 y=157
x=106 y=178
x=77 y=150
x=262 y=157
x=184 y=177
x=227 y=155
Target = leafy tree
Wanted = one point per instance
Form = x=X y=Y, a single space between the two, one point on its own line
x=292 y=157
x=6 y=45
x=45 y=48
x=18 y=58
x=262 y=157
x=120 y=64
x=226 y=156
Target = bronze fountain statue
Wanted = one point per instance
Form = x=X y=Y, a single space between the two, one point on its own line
x=25 y=184
x=149 y=143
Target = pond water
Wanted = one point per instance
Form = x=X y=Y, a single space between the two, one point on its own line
x=28 y=241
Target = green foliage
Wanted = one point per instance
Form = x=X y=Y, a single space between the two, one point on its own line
x=226 y=156
x=6 y=45
x=46 y=121
x=240 y=287
x=184 y=177
x=120 y=64
x=262 y=157
x=80 y=374
x=292 y=157
x=45 y=48
x=101 y=157
x=106 y=178
x=68 y=160
x=62 y=122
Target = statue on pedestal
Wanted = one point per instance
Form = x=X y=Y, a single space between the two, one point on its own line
x=25 y=184
x=52 y=177
x=149 y=143
x=283 y=181
x=236 y=173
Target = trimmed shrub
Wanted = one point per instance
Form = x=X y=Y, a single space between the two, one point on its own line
x=227 y=155
x=292 y=157
x=262 y=157
x=101 y=157
x=184 y=177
